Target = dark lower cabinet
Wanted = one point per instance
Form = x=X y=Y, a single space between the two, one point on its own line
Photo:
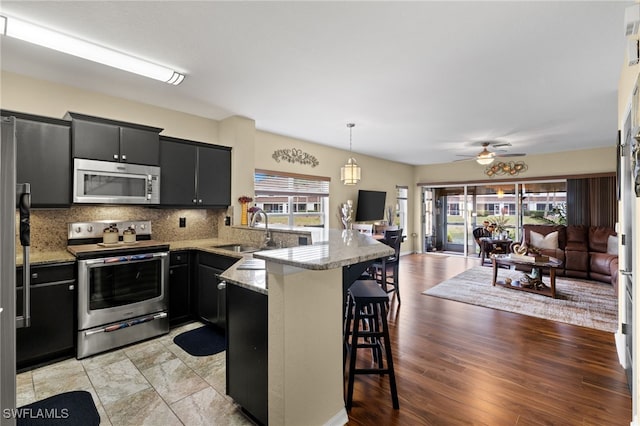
x=179 y=288
x=211 y=299
x=247 y=350
x=53 y=315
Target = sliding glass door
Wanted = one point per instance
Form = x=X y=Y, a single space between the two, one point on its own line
x=451 y=213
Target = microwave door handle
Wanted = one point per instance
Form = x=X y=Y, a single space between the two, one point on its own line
x=24 y=206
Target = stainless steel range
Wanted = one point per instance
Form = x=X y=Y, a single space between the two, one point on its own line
x=122 y=286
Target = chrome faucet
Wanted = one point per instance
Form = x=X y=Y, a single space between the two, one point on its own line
x=267 y=235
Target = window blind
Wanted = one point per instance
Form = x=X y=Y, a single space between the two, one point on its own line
x=278 y=183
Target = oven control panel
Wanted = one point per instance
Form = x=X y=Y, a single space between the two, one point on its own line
x=87 y=230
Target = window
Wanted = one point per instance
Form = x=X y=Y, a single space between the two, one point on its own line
x=402 y=193
x=292 y=199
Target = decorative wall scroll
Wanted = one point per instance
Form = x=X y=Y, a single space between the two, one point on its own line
x=510 y=168
x=295 y=156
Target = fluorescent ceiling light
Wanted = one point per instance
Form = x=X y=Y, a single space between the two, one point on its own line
x=35 y=34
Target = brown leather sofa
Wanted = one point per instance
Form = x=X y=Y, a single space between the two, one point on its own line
x=582 y=249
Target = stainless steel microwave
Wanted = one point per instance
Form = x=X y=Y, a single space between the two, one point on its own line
x=108 y=182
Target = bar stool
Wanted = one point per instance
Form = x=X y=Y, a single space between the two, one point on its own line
x=366 y=327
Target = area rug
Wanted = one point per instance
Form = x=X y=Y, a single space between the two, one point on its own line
x=70 y=409
x=202 y=341
x=579 y=302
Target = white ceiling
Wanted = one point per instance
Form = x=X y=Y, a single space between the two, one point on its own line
x=422 y=81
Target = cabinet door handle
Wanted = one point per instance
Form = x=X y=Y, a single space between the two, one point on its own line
x=199 y=201
x=115 y=156
x=34 y=276
x=124 y=157
x=72 y=287
x=170 y=272
x=194 y=201
x=222 y=285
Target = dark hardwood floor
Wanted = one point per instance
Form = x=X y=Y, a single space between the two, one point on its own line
x=458 y=364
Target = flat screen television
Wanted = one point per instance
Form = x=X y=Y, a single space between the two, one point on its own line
x=370 y=205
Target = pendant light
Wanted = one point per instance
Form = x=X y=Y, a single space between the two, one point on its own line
x=350 y=172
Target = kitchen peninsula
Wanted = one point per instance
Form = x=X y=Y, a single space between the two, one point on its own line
x=305 y=311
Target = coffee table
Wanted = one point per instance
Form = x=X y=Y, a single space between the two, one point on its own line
x=525 y=284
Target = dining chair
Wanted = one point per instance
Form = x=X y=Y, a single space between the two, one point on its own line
x=386 y=269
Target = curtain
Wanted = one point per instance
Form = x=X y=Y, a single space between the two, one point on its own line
x=592 y=201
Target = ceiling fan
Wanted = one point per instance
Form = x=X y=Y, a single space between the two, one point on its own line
x=486 y=157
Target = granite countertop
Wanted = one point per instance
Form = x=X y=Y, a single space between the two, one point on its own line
x=42 y=257
x=342 y=248
x=254 y=278
x=45 y=257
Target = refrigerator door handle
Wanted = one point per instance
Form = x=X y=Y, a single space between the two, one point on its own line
x=24 y=205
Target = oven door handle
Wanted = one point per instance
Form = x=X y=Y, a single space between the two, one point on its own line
x=122 y=259
x=126 y=324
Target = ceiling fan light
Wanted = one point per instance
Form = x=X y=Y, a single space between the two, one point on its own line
x=484 y=160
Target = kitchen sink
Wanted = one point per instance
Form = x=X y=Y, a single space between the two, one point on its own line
x=238 y=248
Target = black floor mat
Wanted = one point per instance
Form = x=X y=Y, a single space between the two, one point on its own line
x=69 y=409
x=203 y=341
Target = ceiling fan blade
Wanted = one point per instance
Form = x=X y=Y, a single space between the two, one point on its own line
x=511 y=155
x=499 y=144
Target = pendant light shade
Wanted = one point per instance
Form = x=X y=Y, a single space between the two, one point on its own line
x=485 y=157
x=350 y=172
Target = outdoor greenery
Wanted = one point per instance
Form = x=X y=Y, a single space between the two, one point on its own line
x=455 y=233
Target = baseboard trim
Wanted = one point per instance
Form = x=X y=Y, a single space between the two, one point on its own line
x=339 y=419
x=620 y=348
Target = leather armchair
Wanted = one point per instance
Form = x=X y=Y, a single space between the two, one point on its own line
x=600 y=262
x=577 y=252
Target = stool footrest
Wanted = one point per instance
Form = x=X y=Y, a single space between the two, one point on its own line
x=372 y=371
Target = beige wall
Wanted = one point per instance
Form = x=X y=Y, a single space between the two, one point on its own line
x=254 y=148
x=377 y=174
x=28 y=95
x=600 y=160
x=251 y=148
x=626 y=84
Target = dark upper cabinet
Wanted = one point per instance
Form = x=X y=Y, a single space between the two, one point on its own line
x=214 y=176
x=177 y=173
x=43 y=158
x=194 y=174
x=108 y=140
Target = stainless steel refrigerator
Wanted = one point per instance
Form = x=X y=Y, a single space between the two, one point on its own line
x=11 y=194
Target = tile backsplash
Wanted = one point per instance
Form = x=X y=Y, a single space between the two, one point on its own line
x=49 y=226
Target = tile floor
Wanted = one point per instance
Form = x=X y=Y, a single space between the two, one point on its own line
x=150 y=383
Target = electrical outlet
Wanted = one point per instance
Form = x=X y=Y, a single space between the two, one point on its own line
x=183 y=222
